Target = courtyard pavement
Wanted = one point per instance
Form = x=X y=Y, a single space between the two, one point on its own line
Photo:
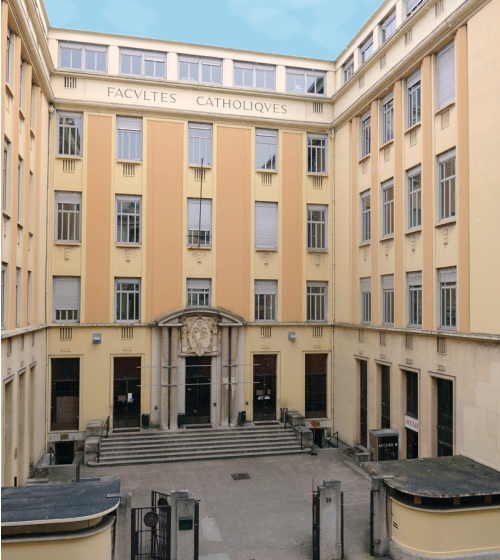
x=268 y=516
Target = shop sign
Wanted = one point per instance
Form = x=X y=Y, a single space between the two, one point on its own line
x=411 y=423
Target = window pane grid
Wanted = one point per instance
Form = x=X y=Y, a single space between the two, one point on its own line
x=200 y=145
x=448 y=305
x=266 y=151
x=366 y=133
x=128 y=221
x=129 y=145
x=316 y=229
x=366 y=307
x=388 y=121
x=388 y=306
x=316 y=303
x=447 y=192
x=348 y=70
x=415 y=306
x=316 y=155
x=68 y=222
x=414 y=201
x=366 y=218
x=414 y=104
x=70 y=135
x=265 y=307
x=298 y=81
x=388 y=210
x=128 y=300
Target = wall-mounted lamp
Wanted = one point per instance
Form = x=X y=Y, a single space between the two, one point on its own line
x=96 y=338
x=292 y=337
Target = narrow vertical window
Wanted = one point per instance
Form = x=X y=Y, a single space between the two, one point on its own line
x=198 y=292
x=317 y=229
x=365 y=216
x=7 y=59
x=415 y=299
x=199 y=222
x=66 y=299
x=388 y=208
x=414 y=99
x=316 y=153
x=414 y=198
x=266 y=293
x=446 y=75
x=266 y=149
x=366 y=49
x=388 y=298
x=18 y=280
x=448 y=298
x=412 y=414
x=28 y=289
x=388 y=26
x=4 y=269
x=366 y=300
x=387 y=118
x=128 y=219
x=317 y=301
x=21 y=78
x=128 y=139
x=19 y=189
x=266 y=225
x=447 y=185
x=348 y=69
x=31 y=223
x=200 y=144
x=127 y=299
x=68 y=216
x=366 y=134
x=69 y=134
x=5 y=173
x=444 y=417
x=385 y=374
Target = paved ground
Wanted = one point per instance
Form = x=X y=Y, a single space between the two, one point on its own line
x=266 y=517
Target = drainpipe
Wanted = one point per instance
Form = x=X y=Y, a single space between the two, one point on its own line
x=169 y=368
x=229 y=384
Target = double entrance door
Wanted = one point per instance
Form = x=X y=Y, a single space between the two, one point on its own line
x=198 y=383
x=264 y=387
x=127 y=392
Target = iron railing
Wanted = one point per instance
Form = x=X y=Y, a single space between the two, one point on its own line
x=105 y=425
x=327 y=442
x=51 y=452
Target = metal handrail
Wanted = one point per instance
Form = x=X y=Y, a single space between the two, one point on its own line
x=106 y=425
x=51 y=452
x=327 y=442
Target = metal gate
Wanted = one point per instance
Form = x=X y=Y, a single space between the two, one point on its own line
x=372 y=544
x=151 y=529
x=316 y=527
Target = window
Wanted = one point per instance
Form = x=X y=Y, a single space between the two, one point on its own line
x=388 y=208
x=387 y=118
x=411 y=6
x=68 y=216
x=414 y=99
x=7 y=59
x=128 y=299
x=265 y=300
x=141 y=63
x=305 y=81
x=198 y=292
x=317 y=231
x=200 y=144
x=366 y=50
x=128 y=139
x=388 y=298
x=444 y=417
x=266 y=149
x=316 y=153
x=65 y=394
x=366 y=300
x=366 y=134
x=250 y=75
x=316 y=385
x=19 y=189
x=317 y=301
x=266 y=225
x=21 y=78
x=448 y=298
x=365 y=216
x=446 y=75
x=31 y=220
x=69 y=133
x=385 y=393
x=414 y=198
x=5 y=173
x=388 y=26
x=363 y=403
x=348 y=68
x=199 y=221
x=128 y=219
x=83 y=57
x=415 y=299
x=4 y=277
x=208 y=70
x=412 y=412
x=28 y=288
x=66 y=299
x=447 y=191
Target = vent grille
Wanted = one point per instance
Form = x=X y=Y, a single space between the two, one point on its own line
x=265 y=332
x=408 y=37
x=318 y=331
x=70 y=83
x=69 y=165
x=439 y=7
x=199 y=174
x=317 y=107
x=445 y=119
x=383 y=338
x=409 y=342
x=267 y=178
x=127 y=333
x=318 y=182
x=361 y=82
x=383 y=61
x=128 y=170
x=360 y=335
x=66 y=333
x=441 y=345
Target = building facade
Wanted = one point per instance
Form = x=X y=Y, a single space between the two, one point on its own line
x=233 y=231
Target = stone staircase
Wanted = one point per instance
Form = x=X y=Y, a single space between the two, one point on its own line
x=196 y=445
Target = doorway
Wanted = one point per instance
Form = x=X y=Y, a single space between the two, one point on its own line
x=198 y=382
x=264 y=387
x=316 y=386
x=127 y=393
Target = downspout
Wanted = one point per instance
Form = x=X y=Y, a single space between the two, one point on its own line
x=169 y=368
x=229 y=384
x=333 y=279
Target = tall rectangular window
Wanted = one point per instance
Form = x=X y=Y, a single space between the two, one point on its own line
x=414 y=99
x=28 y=299
x=448 y=298
x=388 y=118
x=200 y=144
x=5 y=173
x=415 y=299
x=198 y=292
x=385 y=401
x=266 y=293
x=259 y=76
x=128 y=219
x=411 y=6
x=414 y=197
x=317 y=301
x=316 y=153
x=388 y=298
x=194 y=69
x=266 y=149
x=68 y=210
x=388 y=207
x=19 y=188
x=66 y=299
x=316 y=385
x=366 y=49
x=64 y=394
x=363 y=403
x=31 y=220
x=412 y=412
x=348 y=69
x=365 y=216
x=4 y=278
x=266 y=225
x=447 y=185
x=199 y=222
x=129 y=138
x=69 y=134
x=127 y=300
x=142 y=63
x=21 y=79
x=446 y=75
x=305 y=81
x=366 y=300
x=317 y=226
x=366 y=134
x=388 y=26
x=444 y=417
x=7 y=58
x=18 y=303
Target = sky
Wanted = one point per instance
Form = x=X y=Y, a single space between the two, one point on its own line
x=309 y=28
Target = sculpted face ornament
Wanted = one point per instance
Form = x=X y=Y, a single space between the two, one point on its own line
x=200 y=337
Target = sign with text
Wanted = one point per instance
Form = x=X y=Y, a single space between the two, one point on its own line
x=411 y=423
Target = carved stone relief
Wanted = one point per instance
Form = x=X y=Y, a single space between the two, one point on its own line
x=199 y=336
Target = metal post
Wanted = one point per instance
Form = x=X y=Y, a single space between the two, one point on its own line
x=77 y=479
x=342 y=522
x=15 y=481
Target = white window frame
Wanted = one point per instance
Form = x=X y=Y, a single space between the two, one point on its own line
x=69 y=232
x=448 y=294
x=447 y=187
x=150 y=56
x=6 y=156
x=198 y=289
x=200 y=62
x=67 y=131
x=388 y=118
x=317 y=302
x=4 y=276
x=388 y=299
x=126 y=219
x=445 y=66
x=414 y=197
x=266 y=149
x=411 y=6
x=8 y=55
x=415 y=297
x=136 y=293
x=366 y=216
x=387 y=24
x=84 y=48
x=387 y=208
x=305 y=74
x=348 y=69
x=128 y=133
x=317 y=165
x=366 y=49
x=20 y=176
x=266 y=213
x=366 y=301
x=201 y=142
x=255 y=69
x=317 y=229
x=199 y=236
x=28 y=299
x=366 y=134
x=69 y=313
x=266 y=299
x=414 y=92
x=18 y=274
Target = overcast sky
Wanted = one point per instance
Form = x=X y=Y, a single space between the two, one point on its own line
x=311 y=28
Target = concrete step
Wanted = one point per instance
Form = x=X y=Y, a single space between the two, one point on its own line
x=196 y=433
